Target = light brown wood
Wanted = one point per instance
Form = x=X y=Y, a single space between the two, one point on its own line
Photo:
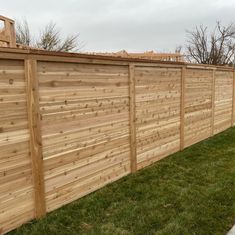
x=7 y=35
x=182 y=108
x=233 y=101
x=146 y=55
x=16 y=191
x=132 y=95
x=223 y=100
x=213 y=103
x=85 y=127
x=157 y=113
x=35 y=136
x=71 y=124
x=198 y=105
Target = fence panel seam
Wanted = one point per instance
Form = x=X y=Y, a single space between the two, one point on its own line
x=213 y=103
x=34 y=124
x=233 y=99
x=182 y=107
x=132 y=117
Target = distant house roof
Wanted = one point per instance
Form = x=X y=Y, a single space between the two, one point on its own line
x=145 y=55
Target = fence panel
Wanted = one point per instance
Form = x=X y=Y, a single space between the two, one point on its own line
x=16 y=185
x=85 y=128
x=71 y=124
x=223 y=100
x=157 y=113
x=198 y=105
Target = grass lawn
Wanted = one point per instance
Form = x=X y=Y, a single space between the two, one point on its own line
x=187 y=193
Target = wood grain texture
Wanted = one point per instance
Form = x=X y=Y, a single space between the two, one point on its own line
x=85 y=128
x=70 y=125
x=182 y=108
x=213 y=103
x=157 y=113
x=198 y=105
x=34 y=121
x=132 y=118
x=233 y=101
x=16 y=186
x=223 y=100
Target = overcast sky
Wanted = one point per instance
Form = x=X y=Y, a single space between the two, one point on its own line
x=133 y=25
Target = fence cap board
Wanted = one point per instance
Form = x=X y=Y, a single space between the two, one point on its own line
x=58 y=55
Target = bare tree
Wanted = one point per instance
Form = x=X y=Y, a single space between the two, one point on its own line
x=23 y=35
x=178 y=49
x=70 y=43
x=49 y=39
x=216 y=47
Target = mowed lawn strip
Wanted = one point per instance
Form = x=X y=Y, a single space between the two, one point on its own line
x=187 y=193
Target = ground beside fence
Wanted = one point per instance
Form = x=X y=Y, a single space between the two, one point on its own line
x=190 y=192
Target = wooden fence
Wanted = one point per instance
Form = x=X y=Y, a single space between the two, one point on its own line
x=70 y=124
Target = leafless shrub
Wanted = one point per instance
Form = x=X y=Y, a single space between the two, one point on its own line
x=23 y=35
x=49 y=39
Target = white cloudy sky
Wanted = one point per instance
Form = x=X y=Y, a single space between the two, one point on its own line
x=112 y=25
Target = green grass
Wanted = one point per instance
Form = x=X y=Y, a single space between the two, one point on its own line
x=190 y=192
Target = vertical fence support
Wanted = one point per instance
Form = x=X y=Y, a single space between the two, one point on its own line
x=233 y=100
x=132 y=118
x=213 y=103
x=182 y=107
x=35 y=136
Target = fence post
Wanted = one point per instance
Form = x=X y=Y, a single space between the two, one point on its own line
x=213 y=103
x=132 y=118
x=182 y=107
x=233 y=99
x=35 y=136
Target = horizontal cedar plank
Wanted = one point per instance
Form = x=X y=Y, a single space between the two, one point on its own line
x=84 y=112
